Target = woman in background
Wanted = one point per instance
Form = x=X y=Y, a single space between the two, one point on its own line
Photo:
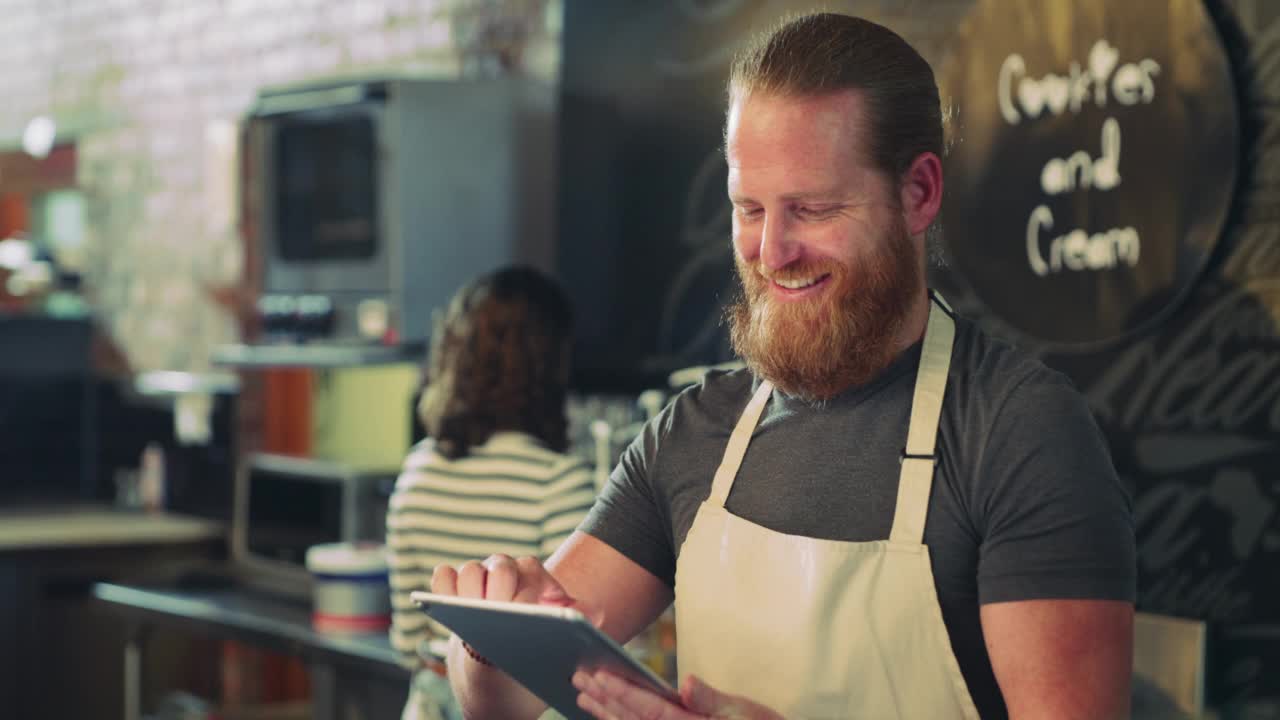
x=492 y=475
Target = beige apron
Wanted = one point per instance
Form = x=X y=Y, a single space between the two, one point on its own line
x=819 y=628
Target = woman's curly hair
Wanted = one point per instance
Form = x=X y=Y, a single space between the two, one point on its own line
x=499 y=360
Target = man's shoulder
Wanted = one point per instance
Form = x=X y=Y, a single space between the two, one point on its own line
x=705 y=411
x=717 y=393
x=996 y=366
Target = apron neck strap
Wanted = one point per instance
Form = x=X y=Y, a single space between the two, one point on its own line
x=915 y=479
x=738 y=442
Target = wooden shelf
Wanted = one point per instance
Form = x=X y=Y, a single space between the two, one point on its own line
x=309 y=355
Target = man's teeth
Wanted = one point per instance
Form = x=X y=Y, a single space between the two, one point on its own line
x=797 y=284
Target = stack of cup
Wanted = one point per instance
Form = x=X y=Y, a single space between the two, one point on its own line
x=351 y=592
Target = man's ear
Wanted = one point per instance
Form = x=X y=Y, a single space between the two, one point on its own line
x=921 y=192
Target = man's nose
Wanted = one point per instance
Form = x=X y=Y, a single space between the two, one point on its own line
x=777 y=246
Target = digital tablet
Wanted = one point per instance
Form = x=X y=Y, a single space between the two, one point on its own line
x=540 y=646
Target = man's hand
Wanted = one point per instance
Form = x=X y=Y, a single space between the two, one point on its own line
x=609 y=697
x=481 y=688
x=586 y=573
x=501 y=577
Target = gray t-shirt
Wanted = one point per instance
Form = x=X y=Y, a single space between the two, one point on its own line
x=1025 y=502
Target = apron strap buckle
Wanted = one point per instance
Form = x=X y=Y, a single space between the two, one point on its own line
x=904 y=456
x=913 y=497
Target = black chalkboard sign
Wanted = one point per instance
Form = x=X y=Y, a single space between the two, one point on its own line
x=1095 y=162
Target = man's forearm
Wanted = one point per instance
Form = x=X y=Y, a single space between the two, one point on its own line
x=487 y=693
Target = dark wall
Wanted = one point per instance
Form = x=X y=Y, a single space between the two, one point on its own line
x=644 y=221
x=1191 y=407
x=198 y=478
x=47 y=430
x=66 y=430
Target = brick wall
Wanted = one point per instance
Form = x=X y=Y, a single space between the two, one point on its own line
x=146 y=88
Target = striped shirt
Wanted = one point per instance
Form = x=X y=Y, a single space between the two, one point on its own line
x=509 y=495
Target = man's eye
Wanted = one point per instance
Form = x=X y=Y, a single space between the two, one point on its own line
x=748 y=213
x=814 y=213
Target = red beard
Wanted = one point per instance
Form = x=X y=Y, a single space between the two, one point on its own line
x=845 y=338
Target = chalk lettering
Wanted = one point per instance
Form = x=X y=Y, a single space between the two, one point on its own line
x=1257 y=253
x=1154 y=387
x=1162 y=518
x=1196 y=594
x=1019 y=95
x=1133 y=82
x=1078 y=250
x=1078 y=170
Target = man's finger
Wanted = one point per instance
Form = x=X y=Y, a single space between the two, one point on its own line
x=598 y=701
x=537 y=585
x=589 y=704
x=631 y=701
x=444 y=580
x=471 y=579
x=699 y=696
x=503 y=578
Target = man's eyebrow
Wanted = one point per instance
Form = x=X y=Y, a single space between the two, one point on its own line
x=825 y=196
x=812 y=195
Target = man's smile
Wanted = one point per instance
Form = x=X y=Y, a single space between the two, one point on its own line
x=798 y=288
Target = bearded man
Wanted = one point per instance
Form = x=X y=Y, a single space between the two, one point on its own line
x=888 y=514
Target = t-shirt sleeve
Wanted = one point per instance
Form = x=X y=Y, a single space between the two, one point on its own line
x=630 y=514
x=1058 y=522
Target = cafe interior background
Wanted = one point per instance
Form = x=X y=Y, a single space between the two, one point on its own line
x=184 y=342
